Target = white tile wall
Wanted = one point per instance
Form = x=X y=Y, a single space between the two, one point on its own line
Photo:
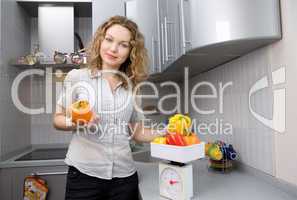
x=259 y=146
x=168 y=104
x=283 y=54
x=253 y=141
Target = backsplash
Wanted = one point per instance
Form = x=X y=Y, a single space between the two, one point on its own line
x=42 y=130
x=253 y=141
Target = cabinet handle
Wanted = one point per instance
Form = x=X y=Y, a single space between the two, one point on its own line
x=182 y=19
x=47 y=173
x=166 y=39
x=159 y=59
x=162 y=38
x=183 y=27
x=153 y=55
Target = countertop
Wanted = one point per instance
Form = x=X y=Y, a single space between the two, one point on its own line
x=243 y=183
x=239 y=184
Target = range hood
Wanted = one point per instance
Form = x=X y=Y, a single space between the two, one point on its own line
x=55 y=28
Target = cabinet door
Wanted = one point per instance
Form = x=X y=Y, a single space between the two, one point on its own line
x=170 y=31
x=147 y=21
x=173 y=30
x=6 y=184
x=54 y=176
x=162 y=4
x=214 y=22
x=131 y=10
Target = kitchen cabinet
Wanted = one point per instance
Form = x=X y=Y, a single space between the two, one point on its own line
x=214 y=22
x=203 y=34
x=170 y=31
x=159 y=23
x=104 y=9
x=12 y=180
x=217 y=31
x=146 y=15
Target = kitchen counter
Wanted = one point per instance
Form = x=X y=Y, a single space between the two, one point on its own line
x=241 y=184
x=43 y=156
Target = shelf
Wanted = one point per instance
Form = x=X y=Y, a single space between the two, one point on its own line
x=82 y=8
x=56 y=1
x=43 y=66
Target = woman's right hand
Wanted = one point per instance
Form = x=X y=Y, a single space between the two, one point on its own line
x=91 y=125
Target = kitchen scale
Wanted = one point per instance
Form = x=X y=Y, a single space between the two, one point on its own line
x=176 y=176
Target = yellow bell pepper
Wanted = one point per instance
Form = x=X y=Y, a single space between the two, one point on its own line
x=179 y=124
x=160 y=140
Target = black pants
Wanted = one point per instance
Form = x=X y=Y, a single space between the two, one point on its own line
x=80 y=186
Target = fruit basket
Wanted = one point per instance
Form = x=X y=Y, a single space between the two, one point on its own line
x=181 y=154
x=221 y=156
x=223 y=165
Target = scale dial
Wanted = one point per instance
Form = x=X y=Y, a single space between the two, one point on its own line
x=171 y=183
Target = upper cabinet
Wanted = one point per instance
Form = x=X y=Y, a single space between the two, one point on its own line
x=203 y=34
x=146 y=15
x=170 y=31
x=159 y=22
x=218 y=21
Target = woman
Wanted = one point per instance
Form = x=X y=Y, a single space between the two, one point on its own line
x=100 y=159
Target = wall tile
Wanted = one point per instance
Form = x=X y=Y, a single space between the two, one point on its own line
x=252 y=140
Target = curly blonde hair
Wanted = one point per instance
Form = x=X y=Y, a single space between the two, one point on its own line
x=135 y=67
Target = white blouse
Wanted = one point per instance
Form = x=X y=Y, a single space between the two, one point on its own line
x=105 y=153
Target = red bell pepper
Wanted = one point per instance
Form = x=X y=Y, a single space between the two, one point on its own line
x=175 y=139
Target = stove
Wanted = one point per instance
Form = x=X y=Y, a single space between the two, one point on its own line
x=44 y=154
